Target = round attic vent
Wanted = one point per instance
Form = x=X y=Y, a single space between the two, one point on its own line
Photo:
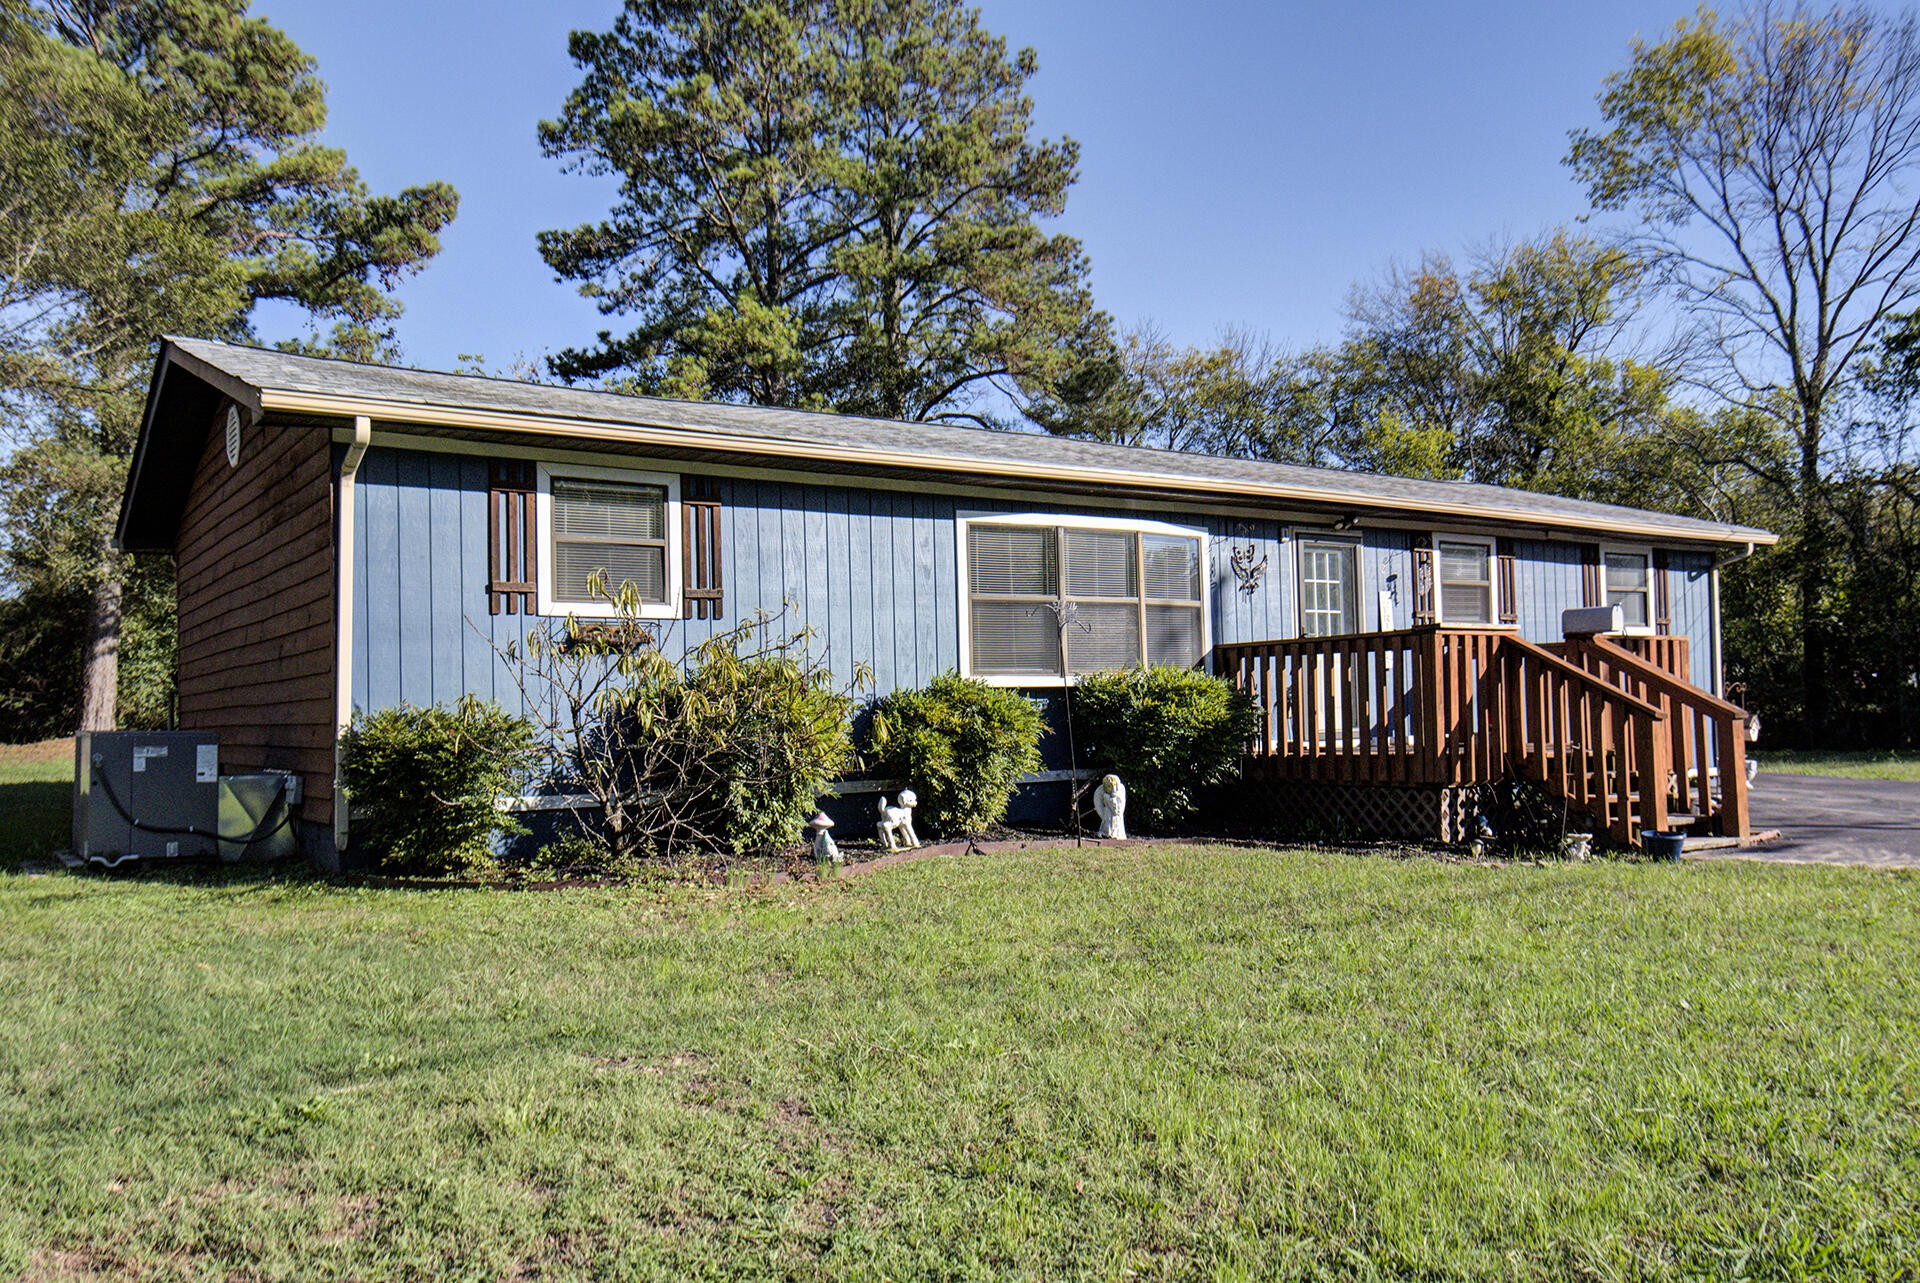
x=233 y=436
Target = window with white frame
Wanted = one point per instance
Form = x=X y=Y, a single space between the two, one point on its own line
x=1329 y=587
x=1630 y=586
x=1131 y=593
x=613 y=523
x=1466 y=580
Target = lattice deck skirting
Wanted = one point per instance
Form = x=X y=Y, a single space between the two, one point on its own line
x=1312 y=811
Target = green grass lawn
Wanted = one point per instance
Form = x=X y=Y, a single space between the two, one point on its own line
x=1878 y=764
x=36 y=800
x=1169 y=1062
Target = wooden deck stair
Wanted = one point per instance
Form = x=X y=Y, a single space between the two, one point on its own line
x=1613 y=729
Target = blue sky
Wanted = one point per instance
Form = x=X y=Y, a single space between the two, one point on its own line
x=1241 y=163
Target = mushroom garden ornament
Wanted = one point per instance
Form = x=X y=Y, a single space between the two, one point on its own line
x=823 y=848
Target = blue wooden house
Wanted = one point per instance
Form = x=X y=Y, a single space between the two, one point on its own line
x=354 y=536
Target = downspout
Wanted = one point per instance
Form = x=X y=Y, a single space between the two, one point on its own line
x=343 y=614
x=1713 y=594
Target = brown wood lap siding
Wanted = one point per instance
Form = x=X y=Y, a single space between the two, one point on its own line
x=255 y=573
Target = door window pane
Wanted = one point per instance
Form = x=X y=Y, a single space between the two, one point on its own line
x=1327 y=604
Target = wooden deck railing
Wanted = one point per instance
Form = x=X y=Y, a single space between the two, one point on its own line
x=1451 y=706
x=1707 y=742
x=1663 y=650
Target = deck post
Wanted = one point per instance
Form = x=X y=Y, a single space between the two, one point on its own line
x=1426 y=703
x=1733 y=778
x=1654 y=764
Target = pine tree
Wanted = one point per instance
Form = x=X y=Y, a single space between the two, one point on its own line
x=160 y=173
x=828 y=203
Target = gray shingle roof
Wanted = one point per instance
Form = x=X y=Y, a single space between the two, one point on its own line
x=776 y=432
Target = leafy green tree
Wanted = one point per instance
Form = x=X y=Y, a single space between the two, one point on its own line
x=1244 y=397
x=1515 y=372
x=162 y=173
x=828 y=203
x=1773 y=163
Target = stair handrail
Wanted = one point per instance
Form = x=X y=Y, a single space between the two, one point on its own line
x=1571 y=670
x=1731 y=755
x=1654 y=675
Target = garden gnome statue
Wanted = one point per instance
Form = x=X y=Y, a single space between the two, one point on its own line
x=1110 y=803
x=824 y=850
x=896 y=822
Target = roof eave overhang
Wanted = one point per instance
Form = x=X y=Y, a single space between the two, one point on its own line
x=581 y=432
x=183 y=385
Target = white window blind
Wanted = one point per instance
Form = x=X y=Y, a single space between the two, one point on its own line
x=1466 y=582
x=614 y=527
x=1132 y=598
x=1013 y=577
x=1630 y=586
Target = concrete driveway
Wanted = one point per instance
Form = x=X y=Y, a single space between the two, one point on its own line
x=1827 y=820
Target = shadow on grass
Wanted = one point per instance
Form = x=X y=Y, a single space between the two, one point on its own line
x=36 y=820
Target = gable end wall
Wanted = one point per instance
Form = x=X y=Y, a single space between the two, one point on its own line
x=254 y=562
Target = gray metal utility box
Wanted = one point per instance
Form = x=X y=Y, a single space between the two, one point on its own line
x=154 y=794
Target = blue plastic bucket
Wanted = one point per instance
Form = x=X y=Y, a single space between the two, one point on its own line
x=1664 y=846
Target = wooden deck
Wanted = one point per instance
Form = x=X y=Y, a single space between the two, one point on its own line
x=1611 y=726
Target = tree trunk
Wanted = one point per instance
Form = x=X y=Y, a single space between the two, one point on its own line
x=1811 y=587
x=100 y=681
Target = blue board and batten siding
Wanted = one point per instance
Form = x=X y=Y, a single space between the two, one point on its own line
x=1690 y=606
x=872 y=572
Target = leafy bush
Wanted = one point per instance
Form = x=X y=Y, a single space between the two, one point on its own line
x=1166 y=732
x=754 y=741
x=961 y=745
x=726 y=751
x=422 y=782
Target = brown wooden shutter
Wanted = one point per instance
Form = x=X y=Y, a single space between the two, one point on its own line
x=1503 y=581
x=1662 y=607
x=703 y=583
x=1423 y=585
x=510 y=551
x=1592 y=586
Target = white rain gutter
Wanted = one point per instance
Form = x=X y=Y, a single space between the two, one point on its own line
x=343 y=613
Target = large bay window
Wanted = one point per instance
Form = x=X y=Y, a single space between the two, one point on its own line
x=620 y=525
x=1131 y=593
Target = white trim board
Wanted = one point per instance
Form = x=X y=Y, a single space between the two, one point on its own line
x=964 y=519
x=545 y=602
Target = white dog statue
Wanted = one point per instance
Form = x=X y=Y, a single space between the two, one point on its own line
x=1110 y=803
x=896 y=822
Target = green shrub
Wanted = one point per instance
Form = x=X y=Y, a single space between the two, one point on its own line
x=726 y=750
x=762 y=735
x=961 y=745
x=422 y=783
x=1167 y=733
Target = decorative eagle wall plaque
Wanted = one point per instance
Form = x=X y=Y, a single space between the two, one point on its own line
x=1248 y=571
